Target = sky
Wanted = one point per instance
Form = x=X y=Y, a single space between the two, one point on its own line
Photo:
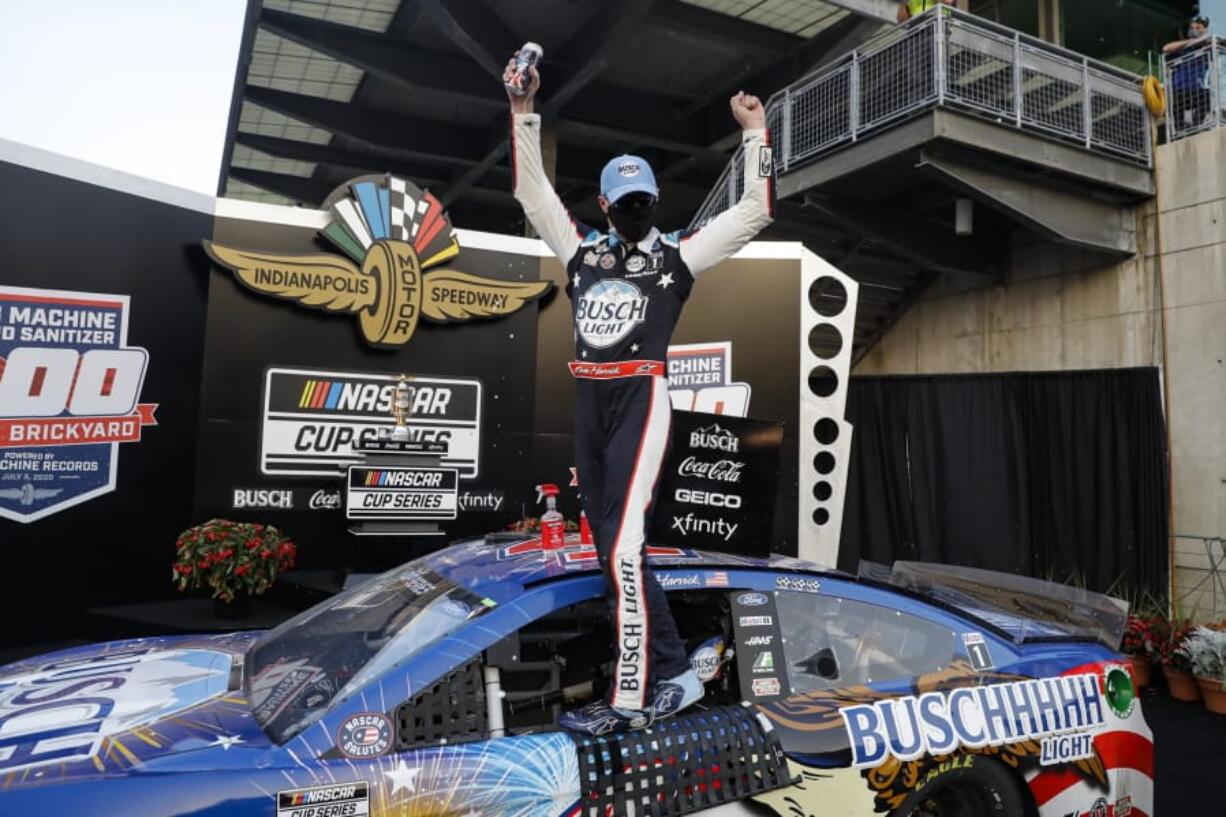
x=141 y=86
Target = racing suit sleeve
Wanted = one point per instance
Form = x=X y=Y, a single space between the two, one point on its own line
x=552 y=221
x=736 y=226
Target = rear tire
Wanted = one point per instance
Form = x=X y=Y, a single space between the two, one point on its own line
x=982 y=787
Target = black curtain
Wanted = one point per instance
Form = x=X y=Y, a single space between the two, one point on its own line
x=1058 y=475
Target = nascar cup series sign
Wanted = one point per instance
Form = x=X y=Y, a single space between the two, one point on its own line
x=70 y=390
x=313 y=419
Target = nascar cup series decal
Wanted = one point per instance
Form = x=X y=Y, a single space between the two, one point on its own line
x=391 y=232
x=63 y=710
x=1063 y=713
x=340 y=800
x=313 y=418
x=70 y=390
x=609 y=311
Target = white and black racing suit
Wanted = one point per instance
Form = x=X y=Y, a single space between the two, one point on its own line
x=625 y=302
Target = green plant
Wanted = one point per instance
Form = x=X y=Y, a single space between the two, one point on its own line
x=231 y=557
x=1205 y=650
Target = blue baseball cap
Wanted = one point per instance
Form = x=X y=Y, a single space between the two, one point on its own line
x=627 y=174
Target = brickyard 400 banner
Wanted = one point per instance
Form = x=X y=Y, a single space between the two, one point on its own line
x=70 y=391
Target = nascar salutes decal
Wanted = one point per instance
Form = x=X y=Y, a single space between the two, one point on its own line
x=313 y=418
x=340 y=800
x=365 y=735
x=70 y=390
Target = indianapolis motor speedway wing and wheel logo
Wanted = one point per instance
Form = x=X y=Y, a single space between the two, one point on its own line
x=390 y=233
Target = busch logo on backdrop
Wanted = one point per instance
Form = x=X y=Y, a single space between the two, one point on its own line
x=69 y=394
x=700 y=379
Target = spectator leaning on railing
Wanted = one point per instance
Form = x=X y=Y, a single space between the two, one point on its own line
x=1186 y=83
x=910 y=8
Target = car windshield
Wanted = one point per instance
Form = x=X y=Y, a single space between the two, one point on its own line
x=296 y=672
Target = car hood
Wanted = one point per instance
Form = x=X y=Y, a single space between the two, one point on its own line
x=107 y=709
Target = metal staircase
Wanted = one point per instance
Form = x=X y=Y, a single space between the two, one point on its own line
x=873 y=149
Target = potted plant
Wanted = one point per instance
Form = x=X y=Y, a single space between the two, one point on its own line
x=1175 y=663
x=1205 y=649
x=1138 y=644
x=235 y=560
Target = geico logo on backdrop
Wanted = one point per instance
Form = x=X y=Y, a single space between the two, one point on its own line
x=257 y=498
x=708 y=498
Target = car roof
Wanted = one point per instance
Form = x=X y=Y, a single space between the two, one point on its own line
x=501 y=566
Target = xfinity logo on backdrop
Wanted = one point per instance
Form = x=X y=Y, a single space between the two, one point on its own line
x=715 y=438
x=252 y=498
x=481 y=500
x=708 y=498
x=690 y=524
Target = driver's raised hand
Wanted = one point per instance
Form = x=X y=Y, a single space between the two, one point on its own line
x=525 y=103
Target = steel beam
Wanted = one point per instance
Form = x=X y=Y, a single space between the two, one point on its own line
x=1063 y=216
x=959 y=256
x=411 y=135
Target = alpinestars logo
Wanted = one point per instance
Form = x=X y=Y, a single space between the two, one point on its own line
x=608 y=312
x=716 y=438
x=392 y=232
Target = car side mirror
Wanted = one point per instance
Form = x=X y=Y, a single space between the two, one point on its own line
x=822 y=663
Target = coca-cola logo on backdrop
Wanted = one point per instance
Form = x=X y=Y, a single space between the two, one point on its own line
x=718 y=470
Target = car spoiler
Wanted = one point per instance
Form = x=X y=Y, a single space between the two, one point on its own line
x=1024 y=609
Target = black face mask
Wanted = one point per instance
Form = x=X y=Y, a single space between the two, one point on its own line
x=632 y=216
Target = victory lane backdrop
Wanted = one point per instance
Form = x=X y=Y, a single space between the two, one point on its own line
x=474 y=392
x=129 y=261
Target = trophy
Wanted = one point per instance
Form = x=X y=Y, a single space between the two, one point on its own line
x=402 y=399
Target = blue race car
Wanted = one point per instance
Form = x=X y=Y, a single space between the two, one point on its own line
x=433 y=690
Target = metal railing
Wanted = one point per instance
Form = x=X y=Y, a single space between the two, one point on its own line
x=1196 y=88
x=946 y=58
x=1213 y=583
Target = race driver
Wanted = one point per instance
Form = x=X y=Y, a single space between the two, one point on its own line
x=627 y=284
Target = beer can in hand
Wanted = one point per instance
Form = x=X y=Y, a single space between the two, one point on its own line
x=529 y=55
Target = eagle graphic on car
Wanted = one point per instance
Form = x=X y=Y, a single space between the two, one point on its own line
x=392 y=233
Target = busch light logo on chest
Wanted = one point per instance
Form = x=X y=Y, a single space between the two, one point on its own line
x=607 y=312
